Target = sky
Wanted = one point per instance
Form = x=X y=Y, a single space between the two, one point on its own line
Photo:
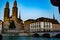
x=31 y=9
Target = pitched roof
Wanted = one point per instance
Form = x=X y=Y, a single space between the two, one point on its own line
x=47 y=20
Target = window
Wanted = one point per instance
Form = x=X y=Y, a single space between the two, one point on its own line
x=47 y=25
x=50 y=25
x=44 y=24
x=39 y=25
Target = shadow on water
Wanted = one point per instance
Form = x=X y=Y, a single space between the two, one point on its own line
x=57 y=36
x=46 y=35
x=36 y=35
x=0 y=37
x=27 y=38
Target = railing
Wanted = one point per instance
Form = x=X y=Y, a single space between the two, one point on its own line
x=12 y=30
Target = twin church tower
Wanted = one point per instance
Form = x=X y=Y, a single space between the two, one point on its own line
x=8 y=19
x=7 y=12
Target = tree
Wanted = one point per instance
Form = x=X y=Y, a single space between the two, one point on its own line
x=56 y=3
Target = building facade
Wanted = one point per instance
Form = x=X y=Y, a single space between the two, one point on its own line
x=30 y=25
x=1 y=24
x=10 y=21
x=42 y=24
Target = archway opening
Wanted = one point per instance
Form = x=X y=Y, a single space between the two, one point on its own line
x=46 y=35
x=57 y=36
x=36 y=35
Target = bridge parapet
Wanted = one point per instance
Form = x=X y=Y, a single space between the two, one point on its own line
x=41 y=33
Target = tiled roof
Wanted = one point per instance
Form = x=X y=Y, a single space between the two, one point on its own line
x=30 y=20
x=47 y=20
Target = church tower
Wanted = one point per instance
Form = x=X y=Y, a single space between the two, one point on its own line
x=15 y=11
x=19 y=15
x=6 y=12
x=6 y=16
x=53 y=16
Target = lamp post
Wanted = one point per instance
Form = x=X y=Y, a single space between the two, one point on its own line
x=56 y=3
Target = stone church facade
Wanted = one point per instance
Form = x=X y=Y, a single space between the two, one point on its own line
x=14 y=17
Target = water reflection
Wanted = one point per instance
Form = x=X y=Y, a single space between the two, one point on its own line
x=27 y=38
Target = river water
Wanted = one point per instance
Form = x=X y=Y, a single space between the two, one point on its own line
x=27 y=38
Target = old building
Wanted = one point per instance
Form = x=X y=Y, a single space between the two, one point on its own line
x=18 y=22
x=14 y=24
x=27 y=23
x=42 y=24
x=6 y=15
x=1 y=24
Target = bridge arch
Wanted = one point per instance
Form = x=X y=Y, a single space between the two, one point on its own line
x=57 y=36
x=36 y=35
x=46 y=35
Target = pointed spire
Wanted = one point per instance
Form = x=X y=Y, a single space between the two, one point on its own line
x=15 y=3
x=19 y=15
x=53 y=16
x=7 y=4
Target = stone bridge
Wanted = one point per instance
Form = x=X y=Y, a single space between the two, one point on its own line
x=20 y=33
x=42 y=33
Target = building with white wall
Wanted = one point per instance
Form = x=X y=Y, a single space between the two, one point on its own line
x=42 y=24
